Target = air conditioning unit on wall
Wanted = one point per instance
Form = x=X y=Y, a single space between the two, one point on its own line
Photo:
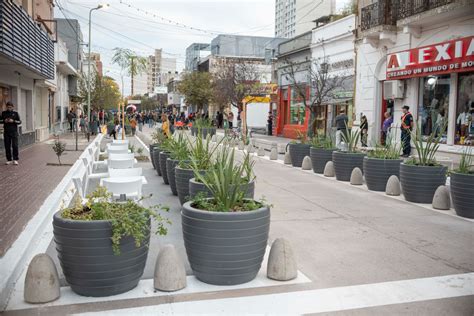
x=393 y=89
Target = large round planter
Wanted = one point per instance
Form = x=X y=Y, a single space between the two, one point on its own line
x=377 y=171
x=193 y=131
x=163 y=156
x=225 y=248
x=196 y=187
x=182 y=177
x=205 y=131
x=345 y=162
x=156 y=159
x=419 y=183
x=170 y=165
x=152 y=147
x=462 y=192
x=88 y=262
x=319 y=158
x=297 y=153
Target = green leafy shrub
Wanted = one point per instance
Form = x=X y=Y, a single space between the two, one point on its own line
x=391 y=149
x=466 y=164
x=200 y=153
x=351 y=138
x=59 y=148
x=322 y=141
x=426 y=147
x=179 y=149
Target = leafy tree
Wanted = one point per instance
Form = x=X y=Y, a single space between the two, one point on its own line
x=105 y=92
x=130 y=62
x=197 y=89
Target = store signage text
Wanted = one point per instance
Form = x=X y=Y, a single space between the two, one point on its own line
x=453 y=56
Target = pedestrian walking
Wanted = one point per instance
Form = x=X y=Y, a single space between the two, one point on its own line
x=386 y=127
x=70 y=118
x=82 y=123
x=133 y=125
x=341 y=127
x=270 y=123
x=220 y=120
x=10 y=120
x=407 y=127
x=364 y=130
x=165 y=127
x=140 y=118
x=230 y=120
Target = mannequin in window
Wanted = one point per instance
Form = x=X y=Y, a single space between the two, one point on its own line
x=463 y=122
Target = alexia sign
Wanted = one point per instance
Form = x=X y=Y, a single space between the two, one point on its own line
x=453 y=56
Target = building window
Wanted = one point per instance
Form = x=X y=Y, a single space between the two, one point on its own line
x=297 y=109
x=434 y=107
x=464 y=134
x=4 y=98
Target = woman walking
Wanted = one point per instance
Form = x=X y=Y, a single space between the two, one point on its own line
x=364 y=130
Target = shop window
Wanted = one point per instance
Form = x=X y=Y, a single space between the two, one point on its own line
x=297 y=108
x=4 y=98
x=434 y=107
x=465 y=110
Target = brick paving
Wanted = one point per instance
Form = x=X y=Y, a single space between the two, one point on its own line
x=24 y=188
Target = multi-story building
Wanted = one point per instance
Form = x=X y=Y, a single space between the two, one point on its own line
x=27 y=65
x=295 y=17
x=194 y=53
x=160 y=70
x=419 y=54
x=98 y=63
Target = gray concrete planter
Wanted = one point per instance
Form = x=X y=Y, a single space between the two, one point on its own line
x=419 y=183
x=345 y=162
x=377 y=171
x=297 y=153
x=225 y=248
x=152 y=147
x=196 y=187
x=88 y=262
x=170 y=165
x=319 y=158
x=193 y=131
x=182 y=183
x=205 y=131
x=462 y=192
x=163 y=156
x=156 y=159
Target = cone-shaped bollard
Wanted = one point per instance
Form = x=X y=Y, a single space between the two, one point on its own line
x=274 y=154
x=441 y=198
x=241 y=145
x=393 y=186
x=307 y=165
x=261 y=151
x=214 y=138
x=170 y=274
x=287 y=159
x=281 y=261
x=42 y=281
x=356 y=177
x=250 y=149
x=329 y=169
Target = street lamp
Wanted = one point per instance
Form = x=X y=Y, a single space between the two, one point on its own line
x=100 y=6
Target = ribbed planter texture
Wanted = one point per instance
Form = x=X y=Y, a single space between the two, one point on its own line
x=205 y=131
x=319 y=158
x=156 y=159
x=225 y=248
x=163 y=156
x=345 y=162
x=462 y=192
x=170 y=165
x=151 y=147
x=89 y=264
x=297 y=153
x=196 y=187
x=193 y=130
x=182 y=183
x=377 y=171
x=419 y=183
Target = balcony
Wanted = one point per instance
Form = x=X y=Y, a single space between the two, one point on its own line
x=377 y=14
x=407 y=8
x=23 y=44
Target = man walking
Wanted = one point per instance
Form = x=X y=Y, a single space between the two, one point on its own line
x=10 y=120
x=407 y=127
x=341 y=127
x=70 y=118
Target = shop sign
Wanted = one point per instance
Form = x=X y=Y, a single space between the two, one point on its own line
x=452 y=56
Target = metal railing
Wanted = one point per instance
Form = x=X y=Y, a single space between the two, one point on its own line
x=407 y=8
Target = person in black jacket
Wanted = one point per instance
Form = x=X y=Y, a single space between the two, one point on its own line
x=10 y=120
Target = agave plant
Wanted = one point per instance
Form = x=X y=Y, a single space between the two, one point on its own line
x=178 y=148
x=426 y=147
x=351 y=138
x=200 y=153
x=322 y=141
x=466 y=163
x=391 y=149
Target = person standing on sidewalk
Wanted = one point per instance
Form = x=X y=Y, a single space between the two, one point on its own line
x=133 y=125
x=270 y=123
x=364 y=130
x=10 y=120
x=70 y=118
x=407 y=127
x=165 y=127
x=386 y=126
x=341 y=127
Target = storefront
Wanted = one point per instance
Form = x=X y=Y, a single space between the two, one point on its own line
x=293 y=117
x=440 y=79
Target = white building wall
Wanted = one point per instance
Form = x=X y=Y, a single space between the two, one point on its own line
x=309 y=10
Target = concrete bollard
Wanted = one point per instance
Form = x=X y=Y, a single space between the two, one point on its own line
x=42 y=280
x=287 y=159
x=250 y=149
x=274 y=153
x=441 y=198
x=261 y=151
x=214 y=139
x=170 y=274
x=241 y=145
x=393 y=186
x=329 y=169
x=307 y=165
x=356 y=177
x=281 y=261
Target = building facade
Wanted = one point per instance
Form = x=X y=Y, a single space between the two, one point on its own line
x=194 y=53
x=418 y=54
x=159 y=71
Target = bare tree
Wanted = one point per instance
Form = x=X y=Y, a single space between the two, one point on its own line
x=320 y=86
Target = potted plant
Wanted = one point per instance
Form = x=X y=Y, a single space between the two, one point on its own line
x=165 y=150
x=200 y=158
x=226 y=156
x=203 y=127
x=320 y=152
x=179 y=151
x=103 y=245
x=421 y=175
x=462 y=185
x=349 y=158
x=299 y=149
x=157 y=138
x=226 y=235
x=381 y=163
